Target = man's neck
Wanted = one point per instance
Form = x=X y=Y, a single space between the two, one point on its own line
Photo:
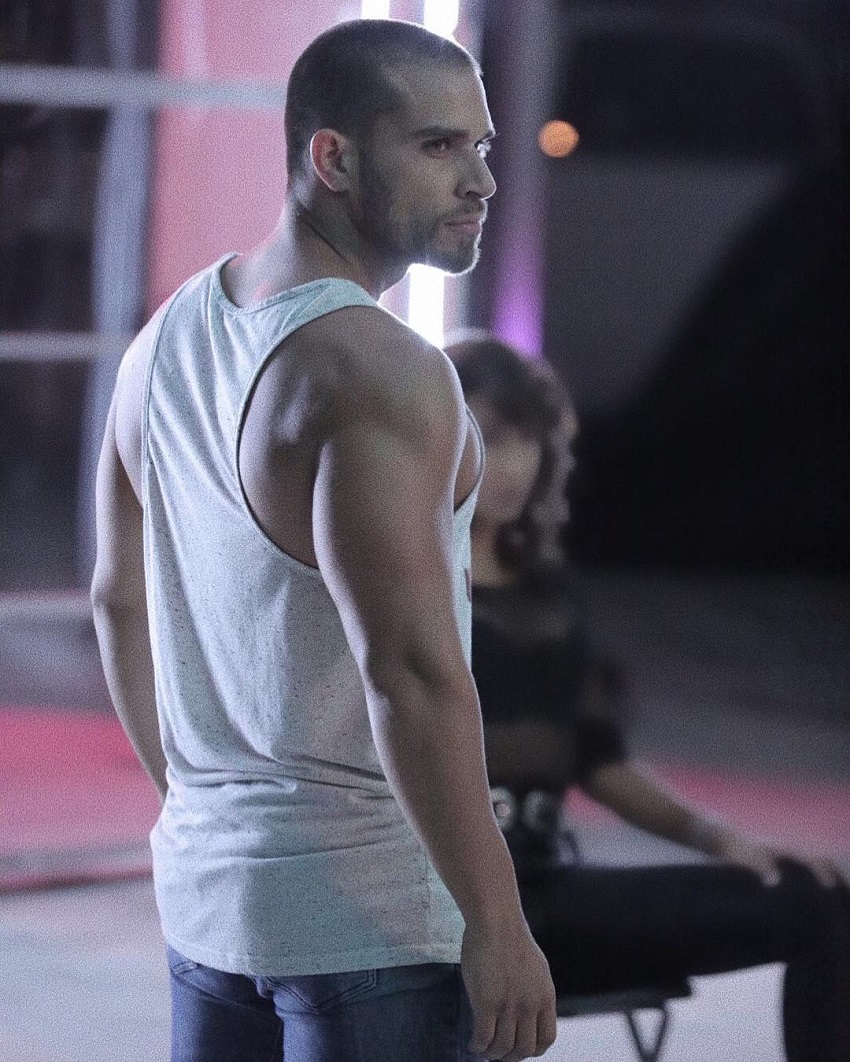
x=324 y=242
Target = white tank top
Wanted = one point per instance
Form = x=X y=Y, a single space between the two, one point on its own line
x=280 y=848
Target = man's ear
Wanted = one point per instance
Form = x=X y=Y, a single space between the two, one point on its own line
x=332 y=156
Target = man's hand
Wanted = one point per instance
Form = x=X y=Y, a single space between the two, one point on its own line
x=511 y=993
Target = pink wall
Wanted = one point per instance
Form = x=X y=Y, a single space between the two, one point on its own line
x=218 y=174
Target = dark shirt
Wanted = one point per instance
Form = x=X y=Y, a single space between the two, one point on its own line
x=535 y=671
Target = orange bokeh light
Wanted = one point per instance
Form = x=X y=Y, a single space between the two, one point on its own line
x=558 y=139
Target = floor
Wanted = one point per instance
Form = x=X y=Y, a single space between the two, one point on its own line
x=739 y=689
x=84 y=980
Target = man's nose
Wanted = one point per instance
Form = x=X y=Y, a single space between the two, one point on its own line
x=478 y=180
x=490 y=184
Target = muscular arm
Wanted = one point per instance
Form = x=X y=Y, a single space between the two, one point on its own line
x=382 y=519
x=120 y=609
x=383 y=535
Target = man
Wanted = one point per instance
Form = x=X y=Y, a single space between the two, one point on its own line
x=284 y=498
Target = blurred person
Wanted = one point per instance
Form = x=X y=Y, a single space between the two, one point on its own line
x=549 y=709
x=282 y=602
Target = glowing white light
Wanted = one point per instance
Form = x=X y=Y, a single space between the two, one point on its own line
x=426 y=302
x=441 y=16
x=426 y=286
x=375 y=9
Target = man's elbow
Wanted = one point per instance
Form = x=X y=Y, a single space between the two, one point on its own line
x=101 y=592
x=110 y=599
x=402 y=678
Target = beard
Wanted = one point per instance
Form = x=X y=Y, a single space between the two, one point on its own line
x=416 y=240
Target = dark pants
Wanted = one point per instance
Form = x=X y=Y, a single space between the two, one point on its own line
x=389 y=1015
x=605 y=928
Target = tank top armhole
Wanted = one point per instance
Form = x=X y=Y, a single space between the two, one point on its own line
x=164 y=311
x=363 y=299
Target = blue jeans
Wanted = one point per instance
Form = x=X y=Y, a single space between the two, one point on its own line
x=398 y=1014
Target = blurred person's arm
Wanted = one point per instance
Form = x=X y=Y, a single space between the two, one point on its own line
x=631 y=792
x=383 y=534
x=118 y=600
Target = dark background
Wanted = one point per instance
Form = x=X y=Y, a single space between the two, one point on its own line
x=50 y=165
x=714 y=414
x=729 y=450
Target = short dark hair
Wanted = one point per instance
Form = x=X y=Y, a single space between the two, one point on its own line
x=528 y=394
x=340 y=81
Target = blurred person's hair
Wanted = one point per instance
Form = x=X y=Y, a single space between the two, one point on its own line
x=527 y=394
x=341 y=81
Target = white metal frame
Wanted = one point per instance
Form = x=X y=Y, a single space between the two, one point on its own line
x=59 y=346
x=73 y=86
x=76 y=87
x=62 y=86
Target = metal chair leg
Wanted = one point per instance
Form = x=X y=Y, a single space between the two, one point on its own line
x=649 y=1050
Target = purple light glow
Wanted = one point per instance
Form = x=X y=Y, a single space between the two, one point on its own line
x=518 y=311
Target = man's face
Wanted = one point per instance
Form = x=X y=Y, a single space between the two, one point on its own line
x=424 y=181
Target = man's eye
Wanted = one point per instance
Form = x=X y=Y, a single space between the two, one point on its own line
x=484 y=149
x=438 y=146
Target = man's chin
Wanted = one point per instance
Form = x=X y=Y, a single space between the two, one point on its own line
x=455 y=264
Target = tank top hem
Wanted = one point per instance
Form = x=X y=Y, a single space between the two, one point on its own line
x=316 y=962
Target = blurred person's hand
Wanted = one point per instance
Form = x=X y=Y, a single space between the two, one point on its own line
x=765 y=859
x=511 y=993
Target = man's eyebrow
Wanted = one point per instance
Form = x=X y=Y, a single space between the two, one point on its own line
x=435 y=132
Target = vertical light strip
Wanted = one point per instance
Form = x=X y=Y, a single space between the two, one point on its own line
x=375 y=9
x=426 y=302
x=441 y=16
x=427 y=286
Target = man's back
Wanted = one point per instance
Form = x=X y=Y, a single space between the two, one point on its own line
x=262 y=707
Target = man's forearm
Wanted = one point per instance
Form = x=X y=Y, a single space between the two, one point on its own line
x=122 y=634
x=431 y=748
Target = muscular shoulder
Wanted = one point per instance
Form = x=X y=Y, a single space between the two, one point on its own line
x=374 y=366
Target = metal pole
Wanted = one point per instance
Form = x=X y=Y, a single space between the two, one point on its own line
x=67 y=86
